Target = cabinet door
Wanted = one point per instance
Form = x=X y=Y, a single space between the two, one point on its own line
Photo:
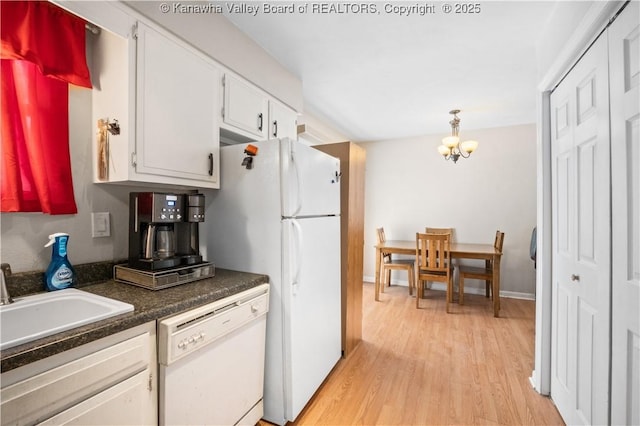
x=121 y=368
x=245 y=107
x=282 y=121
x=128 y=403
x=177 y=129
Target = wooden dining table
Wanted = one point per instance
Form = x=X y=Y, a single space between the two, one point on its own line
x=485 y=252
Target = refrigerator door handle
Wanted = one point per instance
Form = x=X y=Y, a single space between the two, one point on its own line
x=297 y=231
x=297 y=179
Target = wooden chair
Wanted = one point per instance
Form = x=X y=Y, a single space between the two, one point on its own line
x=433 y=259
x=388 y=264
x=429 y=230
x=476 y=273
x=449 y=231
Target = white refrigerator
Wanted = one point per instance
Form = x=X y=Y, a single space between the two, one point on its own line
x=280 y=216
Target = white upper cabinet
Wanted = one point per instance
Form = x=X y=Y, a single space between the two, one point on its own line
x=253 y=114
x=282 y=121
x=245 y=107
x=164 y=95
x=177 y=129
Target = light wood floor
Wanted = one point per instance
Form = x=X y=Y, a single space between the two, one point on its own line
x=426 y=367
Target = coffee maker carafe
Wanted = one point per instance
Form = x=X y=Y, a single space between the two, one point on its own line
x=163 y=229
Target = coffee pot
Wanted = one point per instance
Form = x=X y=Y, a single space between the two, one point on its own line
x=159 y=241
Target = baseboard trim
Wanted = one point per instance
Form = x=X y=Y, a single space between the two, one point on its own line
x=468 y=289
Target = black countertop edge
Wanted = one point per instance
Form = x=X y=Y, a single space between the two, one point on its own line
x=149 y=305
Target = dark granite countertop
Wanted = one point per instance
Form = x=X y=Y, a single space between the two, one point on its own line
x=149 y=305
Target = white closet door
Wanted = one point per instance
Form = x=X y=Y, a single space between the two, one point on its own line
x=581 y=240
x=624 y=53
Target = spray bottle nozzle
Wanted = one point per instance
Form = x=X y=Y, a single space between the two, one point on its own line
x=52 y=238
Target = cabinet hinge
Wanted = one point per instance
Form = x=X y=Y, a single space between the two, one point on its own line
x=134 y=31
x=224 y=79
x=134 y=159
x=222 y=110
x=150 y=383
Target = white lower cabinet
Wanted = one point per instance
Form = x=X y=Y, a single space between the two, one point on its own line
x=110 y=381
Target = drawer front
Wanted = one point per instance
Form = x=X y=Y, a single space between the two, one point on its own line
x=48 y=393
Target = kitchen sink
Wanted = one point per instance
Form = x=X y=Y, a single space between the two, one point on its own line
x=33 y=317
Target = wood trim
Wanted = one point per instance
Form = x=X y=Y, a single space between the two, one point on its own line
x=352 y=165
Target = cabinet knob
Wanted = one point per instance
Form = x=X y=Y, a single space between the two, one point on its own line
x=575 y=277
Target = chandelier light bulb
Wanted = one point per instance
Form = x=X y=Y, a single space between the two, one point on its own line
x=444 y=150
x=451 y=147
x=469 y=146
x=451 y=141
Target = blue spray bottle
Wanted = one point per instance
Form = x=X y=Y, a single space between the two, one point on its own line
x=60 y=274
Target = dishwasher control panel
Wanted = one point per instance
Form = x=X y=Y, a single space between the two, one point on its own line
x=184 y=333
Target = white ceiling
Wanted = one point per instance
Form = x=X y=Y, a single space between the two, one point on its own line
x=386 y=76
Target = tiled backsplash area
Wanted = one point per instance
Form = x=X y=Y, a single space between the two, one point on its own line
x=24 y=283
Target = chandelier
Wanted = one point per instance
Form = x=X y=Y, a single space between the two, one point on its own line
x=451 y=147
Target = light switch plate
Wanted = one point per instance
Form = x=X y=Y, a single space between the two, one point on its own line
x=100 y=224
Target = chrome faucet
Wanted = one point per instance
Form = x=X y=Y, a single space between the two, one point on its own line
x=5 y=297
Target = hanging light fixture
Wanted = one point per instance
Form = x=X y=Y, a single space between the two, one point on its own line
x=451 y=147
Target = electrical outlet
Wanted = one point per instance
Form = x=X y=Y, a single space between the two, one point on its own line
x=100 y=225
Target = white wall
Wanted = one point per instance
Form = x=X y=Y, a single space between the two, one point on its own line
x=566 y=17
x=409 y=186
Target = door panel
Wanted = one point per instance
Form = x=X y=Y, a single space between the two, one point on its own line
x=563 y=212
x=586 y=199
x=310 y=181
x=624 y=50
x=581 y=230
x=312 y=302
x=586 y=99
x=561 y=343
x=585 y=360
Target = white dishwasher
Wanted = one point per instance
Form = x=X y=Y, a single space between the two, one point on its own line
x=212 y=362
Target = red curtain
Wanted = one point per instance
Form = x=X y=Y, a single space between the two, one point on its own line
x=42 y=50
x=48 y=36
x=36 y=172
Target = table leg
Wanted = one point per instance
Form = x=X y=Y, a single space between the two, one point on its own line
x=487 y=264
x=377 y=275
x=496 y=286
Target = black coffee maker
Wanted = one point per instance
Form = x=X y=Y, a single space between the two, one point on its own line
x=163 y=230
